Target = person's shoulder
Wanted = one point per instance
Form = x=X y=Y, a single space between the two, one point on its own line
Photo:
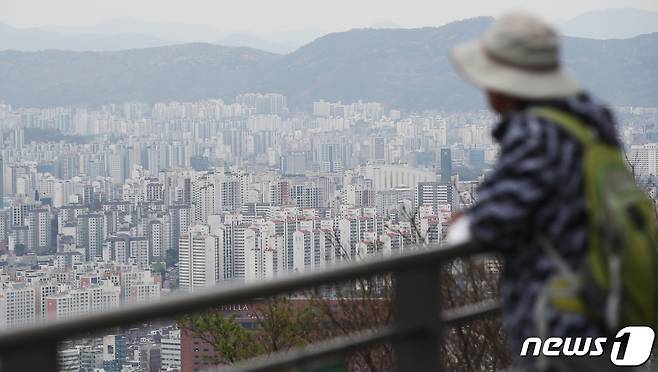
x=528 y=123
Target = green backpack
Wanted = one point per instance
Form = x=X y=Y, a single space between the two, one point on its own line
x=618 y=283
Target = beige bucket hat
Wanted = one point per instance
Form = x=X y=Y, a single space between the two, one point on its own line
x=520 y=56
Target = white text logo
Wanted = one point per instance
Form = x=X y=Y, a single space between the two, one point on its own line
x=630 y=347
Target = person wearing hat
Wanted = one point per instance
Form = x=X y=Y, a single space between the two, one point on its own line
x=537 y=185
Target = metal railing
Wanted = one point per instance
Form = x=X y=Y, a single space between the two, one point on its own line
x=415 y=332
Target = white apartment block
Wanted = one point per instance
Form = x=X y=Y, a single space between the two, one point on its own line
x=644 y=159
x=68 y=360
x=144 y=293
x=387 y=177
x=309 y=247
x=42 y=292
x=78 y=302
x=17 y=306
x=139 y=252
x=170 y=352
x=199 y=258
x=262 y=261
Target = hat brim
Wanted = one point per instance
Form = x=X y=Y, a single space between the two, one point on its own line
x=472 y=63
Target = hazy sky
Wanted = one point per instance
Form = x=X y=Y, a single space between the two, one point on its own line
x=276 y=15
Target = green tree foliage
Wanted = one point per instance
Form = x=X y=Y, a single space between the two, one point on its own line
x=228 y=338
x=171 y=257
x=284 y=325
x=159 y=267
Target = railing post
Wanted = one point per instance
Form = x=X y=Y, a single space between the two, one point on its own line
x=37 y=357
x=417 y=305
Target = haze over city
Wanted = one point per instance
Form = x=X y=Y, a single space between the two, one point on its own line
x=267 y=16
x=160 y=148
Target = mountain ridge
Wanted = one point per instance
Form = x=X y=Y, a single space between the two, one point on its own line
x=128 y=33
x=407 y=69
x=35 y=39
x=621 y=23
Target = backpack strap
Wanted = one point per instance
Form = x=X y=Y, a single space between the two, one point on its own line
x=587 y=136
x=570 y=122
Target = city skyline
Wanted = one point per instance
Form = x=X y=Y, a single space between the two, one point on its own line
x=130 y=176
x=128 y=203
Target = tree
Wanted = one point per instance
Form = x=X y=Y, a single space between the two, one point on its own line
x=230 y=341
x=282 y=324
x=358 y=305
x=159 y=267
x=478 y=345
x=171 y=257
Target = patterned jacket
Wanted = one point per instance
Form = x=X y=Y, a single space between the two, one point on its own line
x=536 y=189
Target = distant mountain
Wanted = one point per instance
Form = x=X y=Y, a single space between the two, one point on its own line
x=621 y=71
x=380 y=25
x=33 y=39
x=175 y=32
x=128 y=33
x=178 y=33
x=181 y=72
x=408 y=68
x=612 y=24
x=255 y=42
x=403 y=68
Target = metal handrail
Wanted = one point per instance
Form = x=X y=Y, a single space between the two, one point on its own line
x=48 y=335
x=186 y=303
